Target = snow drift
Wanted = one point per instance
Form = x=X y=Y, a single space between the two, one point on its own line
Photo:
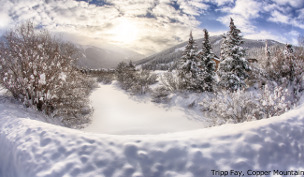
x=32 y=148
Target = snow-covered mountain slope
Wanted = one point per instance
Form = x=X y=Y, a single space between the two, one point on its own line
x=102 y=57
x=30 y=148
x=175 y=52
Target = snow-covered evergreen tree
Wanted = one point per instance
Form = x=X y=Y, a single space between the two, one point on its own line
x=207 y=65
x=188 y=68
x=234 y=67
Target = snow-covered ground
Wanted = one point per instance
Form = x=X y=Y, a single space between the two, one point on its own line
x=115 y=112
x=31 y=148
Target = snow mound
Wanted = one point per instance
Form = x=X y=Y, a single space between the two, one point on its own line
x=32 y=148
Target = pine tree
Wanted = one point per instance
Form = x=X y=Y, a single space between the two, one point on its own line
x=234 y=67
x=188 y=66
x=207 y=65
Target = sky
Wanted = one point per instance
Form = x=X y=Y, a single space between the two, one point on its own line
x=149 y=26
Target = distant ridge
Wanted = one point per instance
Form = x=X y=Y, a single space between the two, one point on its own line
x=92 y=57
x=175 y=52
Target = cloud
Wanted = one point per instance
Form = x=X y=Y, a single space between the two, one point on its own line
x=293 y=3
x=266 y=35
x=293 y=35
x=154 y=21
x=192 y=7
x=243 y=12
x=221 y=2
x=289 y=38
x=278 y=17
x=153 y=25
x=247 y=8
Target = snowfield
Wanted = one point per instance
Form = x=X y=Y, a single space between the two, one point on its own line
x=116 y=112
x=30 y=148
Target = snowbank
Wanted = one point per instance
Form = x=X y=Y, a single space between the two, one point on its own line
x=31 y=148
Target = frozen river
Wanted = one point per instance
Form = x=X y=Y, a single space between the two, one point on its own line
x=115 y=112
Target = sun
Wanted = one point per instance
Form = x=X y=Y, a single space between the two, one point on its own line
x=125 y=32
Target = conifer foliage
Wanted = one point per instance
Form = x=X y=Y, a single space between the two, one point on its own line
x=188 y=69
x=207 y=65
x=234 y=67
x=39 y=71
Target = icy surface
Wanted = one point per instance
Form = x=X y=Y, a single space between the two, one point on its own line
x=32 y=148
x=115 y=112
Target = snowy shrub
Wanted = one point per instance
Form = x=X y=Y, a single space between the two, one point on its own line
x=225 y=106
x=125 y=74
x=170 y=82
x=241 y=105
x=275 y=101
x=286 y=70
x=161 y=95
x=38 y=70
x=137 y=82
x=282 y=65
x=256 y=77
x=142 y=80
x=105 y=78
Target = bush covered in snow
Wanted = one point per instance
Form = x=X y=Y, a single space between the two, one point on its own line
x=170 y=81
x=38 y=70
x=143 y=79
x=226 y=106
x=161 y=95
x=242 y=105
x=125 y=74
x=137 y=82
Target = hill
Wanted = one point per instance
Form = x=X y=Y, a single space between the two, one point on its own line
x=166 y=58
x=93 y=57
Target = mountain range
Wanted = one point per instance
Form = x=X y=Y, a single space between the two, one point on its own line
x=168 y=56
x=93 y=57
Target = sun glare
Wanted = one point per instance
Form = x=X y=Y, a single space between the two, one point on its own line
x=125 y=32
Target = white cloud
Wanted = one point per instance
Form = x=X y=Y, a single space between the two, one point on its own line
x=290 y=38
x=247 y=8
x=293 y=35
x=293 y=3
x=99 y=24
x=278 y=17
x=266 y=35
x=192 y=7
x=242 y=23
x=131 y=8
x=243 y=12
x=301 y=14
x=167 y=25
x=221 y=2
